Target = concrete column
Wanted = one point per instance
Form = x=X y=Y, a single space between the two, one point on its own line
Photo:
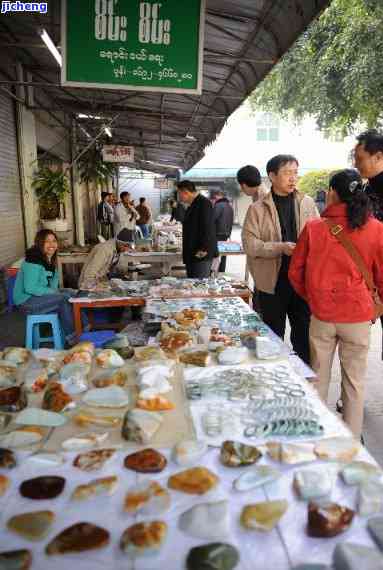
x=76 y=193
x=27 y=149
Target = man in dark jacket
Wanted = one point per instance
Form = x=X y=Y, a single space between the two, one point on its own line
x=223 y=218
x=199 y=241
x=368 y=158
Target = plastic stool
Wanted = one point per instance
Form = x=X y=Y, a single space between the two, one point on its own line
x=33 y=337
x=98 y=337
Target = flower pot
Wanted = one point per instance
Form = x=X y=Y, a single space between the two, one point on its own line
x=57 y=225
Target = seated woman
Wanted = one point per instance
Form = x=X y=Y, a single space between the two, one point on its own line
x=324 y=274
x=36 y=288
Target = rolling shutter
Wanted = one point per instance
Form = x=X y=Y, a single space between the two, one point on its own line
x=11 y=220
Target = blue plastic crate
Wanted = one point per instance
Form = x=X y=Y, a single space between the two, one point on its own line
x=98 y=337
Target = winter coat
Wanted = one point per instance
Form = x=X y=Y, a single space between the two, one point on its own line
x=144 y=213
x=323 y=273
x=199 y=231
x=36 y=277
x=223 y=218
x=262 y=237
x=98 y=264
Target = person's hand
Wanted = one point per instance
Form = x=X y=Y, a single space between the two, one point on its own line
x=288 y=248
x=201 y=254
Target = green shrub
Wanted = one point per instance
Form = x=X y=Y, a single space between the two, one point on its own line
x=313 y=181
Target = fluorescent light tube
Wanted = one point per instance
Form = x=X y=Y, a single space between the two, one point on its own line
x=51 y=46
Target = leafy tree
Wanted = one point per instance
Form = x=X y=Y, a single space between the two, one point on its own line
x=314 y=181
x=333 y=71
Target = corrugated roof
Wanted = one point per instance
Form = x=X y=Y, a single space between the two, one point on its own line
x=243 y=40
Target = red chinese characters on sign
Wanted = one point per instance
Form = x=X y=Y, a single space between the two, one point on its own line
x=116 y=153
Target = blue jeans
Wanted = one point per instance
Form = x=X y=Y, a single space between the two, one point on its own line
x=54 y=303
x=145 y=230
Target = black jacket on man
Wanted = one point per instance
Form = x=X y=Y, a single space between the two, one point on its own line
x=223 y=218
x=199 y=231
x=374 y=191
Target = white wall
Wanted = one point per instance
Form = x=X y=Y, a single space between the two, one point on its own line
x=237 y=145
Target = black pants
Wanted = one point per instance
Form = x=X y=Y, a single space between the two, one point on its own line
x=198 y=269
x=285 y=302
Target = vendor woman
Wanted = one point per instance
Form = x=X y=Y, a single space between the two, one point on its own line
x=36 y=288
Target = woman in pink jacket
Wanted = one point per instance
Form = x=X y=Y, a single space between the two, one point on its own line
x=324 y=274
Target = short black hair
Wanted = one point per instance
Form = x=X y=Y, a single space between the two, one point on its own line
x=249 y=175
x=278 y=161
x=104 y=195
x=142 y=200
x=372 y=140
x=187 y=185
x=123 y=194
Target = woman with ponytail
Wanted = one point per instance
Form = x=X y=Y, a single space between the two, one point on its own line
x=324 y=274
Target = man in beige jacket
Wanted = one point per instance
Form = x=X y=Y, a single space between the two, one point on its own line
x=269 y=234
x=103 y=261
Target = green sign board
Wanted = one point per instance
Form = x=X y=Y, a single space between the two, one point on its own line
x=128 y=44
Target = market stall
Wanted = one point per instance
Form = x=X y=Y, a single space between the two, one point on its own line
x=204 y=446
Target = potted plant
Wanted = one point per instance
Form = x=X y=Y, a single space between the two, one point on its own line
x=51 y=187
x=93 y=169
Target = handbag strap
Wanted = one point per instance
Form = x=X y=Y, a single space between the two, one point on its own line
x=337 y=231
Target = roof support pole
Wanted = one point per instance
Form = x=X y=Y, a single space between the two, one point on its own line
x=76 y=189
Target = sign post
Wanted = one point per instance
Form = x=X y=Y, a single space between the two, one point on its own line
x=129 y=44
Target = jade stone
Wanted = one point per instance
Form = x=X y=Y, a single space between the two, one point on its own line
x=311 y=566
x=213 y=556
x=351 y=556
x=375 y=528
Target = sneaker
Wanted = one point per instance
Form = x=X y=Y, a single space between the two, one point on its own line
x=339 y=406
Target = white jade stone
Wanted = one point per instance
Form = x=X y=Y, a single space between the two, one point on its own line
x=109 y=397
x=84 y=441
x=208 y=521
x=370 y=499
x=255 y=477
x=188 y=451
x=312 y=483
x=39 y=417
x=20 y=438
x=49 y=459
x=358 y=472
x=233 y=355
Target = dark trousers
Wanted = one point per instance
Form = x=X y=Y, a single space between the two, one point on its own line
x=286 y=303
x=198 y=269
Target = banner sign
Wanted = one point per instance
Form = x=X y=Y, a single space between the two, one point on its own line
x=116 y=153
x=161 y=183
x=129 y=44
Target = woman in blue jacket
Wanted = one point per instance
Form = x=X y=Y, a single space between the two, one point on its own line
x=36 y=288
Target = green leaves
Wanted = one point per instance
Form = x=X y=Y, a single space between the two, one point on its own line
x=333 y=71
x=50 y=183
x=93 y=169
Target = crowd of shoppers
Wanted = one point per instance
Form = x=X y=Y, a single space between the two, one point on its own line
x=321 y=272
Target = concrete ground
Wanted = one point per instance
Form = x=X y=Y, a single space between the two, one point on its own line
x=12 y=330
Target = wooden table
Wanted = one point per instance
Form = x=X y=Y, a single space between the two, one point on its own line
x=89 y=303
x=167 y=259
